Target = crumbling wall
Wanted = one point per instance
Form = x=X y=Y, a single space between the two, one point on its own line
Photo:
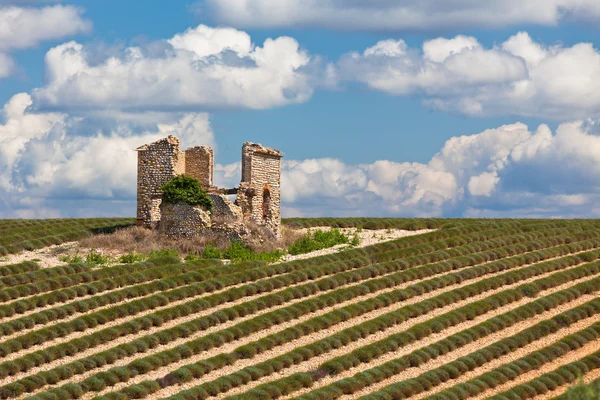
x=183 y=220
x=158 y=162
x=199 y=163
x=259 y=193
x=224 y=210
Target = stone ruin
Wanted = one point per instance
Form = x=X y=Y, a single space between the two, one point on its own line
x=257 y=196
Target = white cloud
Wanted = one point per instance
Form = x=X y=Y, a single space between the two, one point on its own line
x=22 y=28
x=7 y=65
x=55 y=164
x=519 y=77
x=502 y=172
x=201 y=68
x=399 y=15
x=52 y=158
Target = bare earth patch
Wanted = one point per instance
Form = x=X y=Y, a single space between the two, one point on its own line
x=48 y=257
x=365 y=237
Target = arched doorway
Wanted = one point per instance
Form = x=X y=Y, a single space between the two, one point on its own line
x=266 y=203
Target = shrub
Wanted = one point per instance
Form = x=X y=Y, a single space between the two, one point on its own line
x=95 y=258
x=131 y=258
x=318 y=240
x=188 y=190
x=211 y=251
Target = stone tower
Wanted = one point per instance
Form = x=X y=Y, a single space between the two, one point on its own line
x=158 y=163
x=259 y=192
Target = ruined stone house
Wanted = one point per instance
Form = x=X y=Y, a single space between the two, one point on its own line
x=257 y=196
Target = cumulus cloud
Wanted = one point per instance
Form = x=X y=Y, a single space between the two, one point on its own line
x=54 y=164
x=22 y=28
x=508 y=171
x=201 y=68
x=518 y=77
x=398 y=15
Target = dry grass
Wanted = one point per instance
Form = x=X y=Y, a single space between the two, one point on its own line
x=142 y=240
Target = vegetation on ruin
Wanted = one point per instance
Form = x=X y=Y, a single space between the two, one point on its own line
x=187 y=190
x=501 y=309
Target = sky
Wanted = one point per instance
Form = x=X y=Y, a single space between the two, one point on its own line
x=399 y=108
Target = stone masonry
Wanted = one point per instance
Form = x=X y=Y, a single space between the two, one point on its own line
x=258 y=194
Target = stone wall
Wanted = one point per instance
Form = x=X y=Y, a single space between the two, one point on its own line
x=224 y=210
x=158 y=162
x=199 y=163
x=259 y=193
x=183 y=220
x=258 y=196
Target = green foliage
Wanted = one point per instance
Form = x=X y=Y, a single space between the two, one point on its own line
x=583 y=391
x=238 y=252
x=213 y=252
x=192 y=258
x=188 y=190
x=164 y=256
x=131 y=258
x=95 y=258
x=318 y=240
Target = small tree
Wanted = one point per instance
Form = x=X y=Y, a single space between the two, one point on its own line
x=188 y=190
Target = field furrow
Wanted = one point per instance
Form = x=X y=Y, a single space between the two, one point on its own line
x=475 y=308
x=229 y=324
x=246 y=299
x=524 y=280
x=313 y=364
x=463 y=327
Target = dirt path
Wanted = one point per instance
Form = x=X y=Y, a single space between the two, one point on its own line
x=47 y=256
x=365 y=237
x=458 y=328
x=231 y=346
x=513 y=356
x=316 y=361
x=172 y=323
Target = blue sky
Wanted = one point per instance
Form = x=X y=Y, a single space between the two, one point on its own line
x=373 y=132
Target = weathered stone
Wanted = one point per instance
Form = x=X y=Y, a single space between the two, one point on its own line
x=183 y=220
x=224 y=209
x=258 y=195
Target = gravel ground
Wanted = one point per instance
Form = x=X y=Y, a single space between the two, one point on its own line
x=365 y=237
x=316 y=361
x=46 y=257
x=589 y=377
x=456 y=329
x=289 y=346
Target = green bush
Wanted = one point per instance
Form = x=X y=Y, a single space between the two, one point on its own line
x=95 y=258
x=164 y=256
x=582 y=391
x=188 y=190
x=238 y=252
x=131 y=258
x=318 y=240
x=211 y=251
